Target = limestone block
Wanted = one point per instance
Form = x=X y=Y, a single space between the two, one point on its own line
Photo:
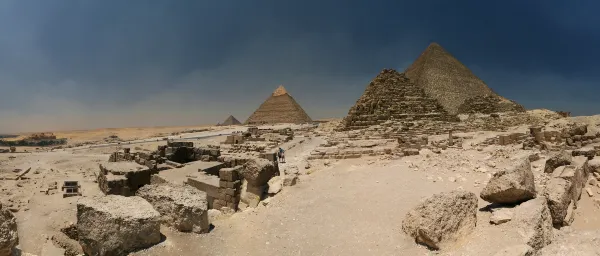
x=251 y=194
x=442 y=219
x=534 y=223
x=275 y=185
x=559 y=159
x=230 y=174
x=559 y=197
x=259 y=171
x=182 y=207
x=501 y=215
x=513 y=185
x=116 y=225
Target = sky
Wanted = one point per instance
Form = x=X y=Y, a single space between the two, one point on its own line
x=67 y=64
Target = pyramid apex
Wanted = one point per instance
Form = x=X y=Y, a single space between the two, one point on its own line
x=280 y=91
x=434 y=44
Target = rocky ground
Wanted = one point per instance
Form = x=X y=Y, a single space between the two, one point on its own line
x=339 y=206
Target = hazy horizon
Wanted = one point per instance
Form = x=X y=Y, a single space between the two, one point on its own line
x=73 y=65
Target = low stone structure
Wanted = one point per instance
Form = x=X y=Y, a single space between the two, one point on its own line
x=234 y=139
x=209 y=184
x=256 y=174
x=8 y=232
x=122 y=178
x=181 y=207
x=116 y=225
x=442 y=219
x=229 y=188
x=175 y=151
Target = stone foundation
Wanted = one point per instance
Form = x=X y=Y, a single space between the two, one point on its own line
x=122 y=178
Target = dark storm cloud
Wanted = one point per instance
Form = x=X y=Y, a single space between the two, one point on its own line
x=80 y=64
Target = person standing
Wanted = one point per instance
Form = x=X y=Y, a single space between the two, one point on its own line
x=281 y=155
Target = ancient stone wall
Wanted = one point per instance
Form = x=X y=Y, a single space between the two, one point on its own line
x=229 y=188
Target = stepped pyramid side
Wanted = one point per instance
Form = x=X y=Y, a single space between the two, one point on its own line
x=451 y=83
x=230 y=121
x=280 y=107
x=391 y=95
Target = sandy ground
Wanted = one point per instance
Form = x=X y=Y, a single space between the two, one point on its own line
x=351 y=207
x=344 y=207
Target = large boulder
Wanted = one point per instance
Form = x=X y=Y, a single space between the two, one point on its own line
x=580 y=243
x=116 y=225
x=8 y=232
x=511 y=186
x=560 y=159
x=181 y=207
x=442 y=219
x=258 y=171
x=534 y=223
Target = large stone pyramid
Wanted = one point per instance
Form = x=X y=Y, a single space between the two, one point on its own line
x=391 y=95
x=230 y=121
x=454 y=86
x=280 y=107
x=435 y=87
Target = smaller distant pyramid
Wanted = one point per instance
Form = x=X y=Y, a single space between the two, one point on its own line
x=280 y=107
x=230 y=121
